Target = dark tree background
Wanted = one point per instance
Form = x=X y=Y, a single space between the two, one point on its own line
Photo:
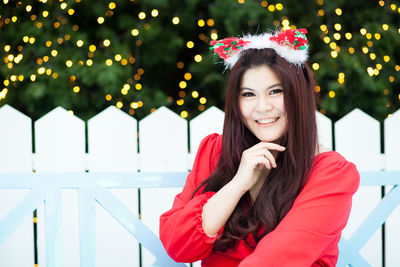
x=139 y=55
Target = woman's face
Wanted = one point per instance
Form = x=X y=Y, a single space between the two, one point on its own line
x=262 y=105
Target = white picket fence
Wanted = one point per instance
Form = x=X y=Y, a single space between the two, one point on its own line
x=162 y=145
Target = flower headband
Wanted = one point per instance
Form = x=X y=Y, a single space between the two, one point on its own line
x=290 y=44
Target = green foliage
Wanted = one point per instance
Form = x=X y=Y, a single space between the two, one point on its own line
x=151 y=58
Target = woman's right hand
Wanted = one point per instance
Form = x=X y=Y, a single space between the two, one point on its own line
x=253 y=161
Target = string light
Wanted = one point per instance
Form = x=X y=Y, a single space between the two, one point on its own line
x=175 y=20
x=154 y=12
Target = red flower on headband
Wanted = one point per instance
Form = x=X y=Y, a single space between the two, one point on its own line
x=227 y=47
x=294 y=38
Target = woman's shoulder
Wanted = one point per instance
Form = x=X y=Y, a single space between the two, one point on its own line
x=330 y=167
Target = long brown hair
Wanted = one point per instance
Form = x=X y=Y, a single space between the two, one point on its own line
x=285 y=182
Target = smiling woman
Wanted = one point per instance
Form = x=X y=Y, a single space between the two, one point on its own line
x=262 y=193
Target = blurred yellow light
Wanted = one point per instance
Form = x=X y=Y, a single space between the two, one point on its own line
x=376 y=72
x=135 y=32
x=92 y=48
x=117 y=57
x=315 y=66
x=41 y=70
x=321 y=12
x=332 y=94
x=140 y=103
x=202 y=100
x=332 y=45
x=13 y=78
x=187 y=76
x=377 y=36
x=195 y=94
x=154 y=12
x=33 y=77
x=111 y=5
x=338 y=27
x=100 y=20
x=134 y=105
x=106 y=42
x=327 y=39
x=385 y=27
x=6 y=82
x=397 y=68
x=279 y=6
x=338 y=11
x=323 y=27
x=7 y=48
x=348 y=35
x=182 y=85
x=365 y=49
x=180 y=102
x=190 y=44
x=108 y=97
x=124 y=91
x=71 y=12
x=334 y=54
x=119 y=104
x=32 y=40
x=89 y=62
x=393 y=7
x=271 y=8
x=341 y=75
x=184 y=114
x=363 y=31
x=336 y=36
x=381 y=3
x=138 y=86
x=340 y=80
x=10 y=57
x=240 y=1
x=142 y=15
x=370 y=71
x=109 y=62
x=63 y=6
x=214 y=36
x=45 y=13
x=25 y=39
x=386 y=58
x=201 y=23
x=210 y=22
x=198 y=58
x=79 y=43
x=391 y=78
x=175 y=20
x=368 y=35
x=372 y=56
x=28 y=8
x=378 y=66
x=68 y=63
x=76 y=89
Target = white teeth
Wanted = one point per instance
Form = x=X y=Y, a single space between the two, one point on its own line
x=267 y=120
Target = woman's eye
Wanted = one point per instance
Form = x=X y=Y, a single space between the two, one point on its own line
x=247 y=94
x=275 y=91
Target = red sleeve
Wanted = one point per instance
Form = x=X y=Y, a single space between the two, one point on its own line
x=181 y=230
x=316 y=219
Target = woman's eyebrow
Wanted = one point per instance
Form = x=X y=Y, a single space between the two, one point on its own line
x=272 y=86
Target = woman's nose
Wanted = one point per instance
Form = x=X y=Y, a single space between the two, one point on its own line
x=263 y=105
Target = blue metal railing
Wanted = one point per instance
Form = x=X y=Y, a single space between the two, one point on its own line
x=46 y=187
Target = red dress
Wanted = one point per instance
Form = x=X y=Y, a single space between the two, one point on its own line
x=307 y=236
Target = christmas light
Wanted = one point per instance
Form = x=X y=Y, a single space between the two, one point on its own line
x=111 y=5
x=385 y=27
x=198 y=58
x=119 y=104
x=138 y=86
x=363 y=31
x=182 y=84
x=348 y=36
x=327 y=39
x=76 y=89
x=195 y=94
x=184 y=114
x=68 y=63
x=315 y=66
x=279 y=6
x=108 y=97
x=370 y=71
x=323 y=28
x=142 y=15
x=372 y=56
x=271 y=8
x=190 y=44
x=180 y=102
x=332 y=94
x=337 y=26
x=202 y=100
x=134 y=105
x=109 y=62
x=154 y=12
x=135 y=32
x=89 y=62
x=200 y=23
x=386 y=58
x=187 y=76
x=106 y=42
x=79 y=43
x=338 y=11
x=175 y=20
x=100 y=20
x=210 y=22
x=377 y=36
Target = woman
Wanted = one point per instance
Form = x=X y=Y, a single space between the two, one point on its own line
x=264 y=193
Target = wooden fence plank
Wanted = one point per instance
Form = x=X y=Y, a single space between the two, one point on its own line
x=16 y=156
x=357 y=138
